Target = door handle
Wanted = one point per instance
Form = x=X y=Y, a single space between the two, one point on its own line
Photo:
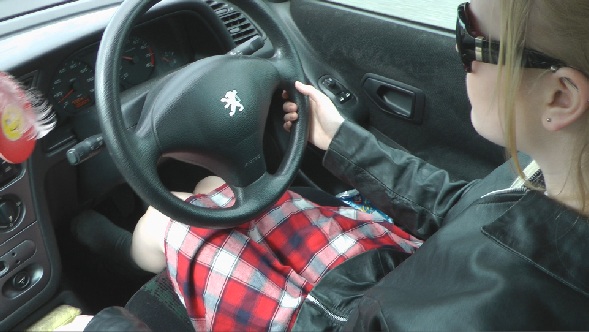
x=396 y=98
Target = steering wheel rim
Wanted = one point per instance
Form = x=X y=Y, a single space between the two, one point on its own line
x=136 y=152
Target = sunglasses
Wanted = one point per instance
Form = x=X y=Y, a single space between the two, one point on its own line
x=478 y=48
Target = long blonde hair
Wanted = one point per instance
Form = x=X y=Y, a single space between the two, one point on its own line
x=559 y=29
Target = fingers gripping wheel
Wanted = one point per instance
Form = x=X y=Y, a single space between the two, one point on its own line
x=214 y=111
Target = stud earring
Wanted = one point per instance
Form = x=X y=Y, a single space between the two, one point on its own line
x=548 y=119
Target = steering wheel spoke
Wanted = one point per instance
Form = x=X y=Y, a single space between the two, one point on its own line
x=212 y=113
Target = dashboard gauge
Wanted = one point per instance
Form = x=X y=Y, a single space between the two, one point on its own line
x=138 y=62
x=169 y=60
x=73 y=86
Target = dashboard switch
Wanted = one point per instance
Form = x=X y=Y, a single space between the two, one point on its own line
x=330 y=83
x=334 y=89
x=344 y=96
x=9 y=213
x=8 y=172
x=249 y=47
x=85 y=150
x=18 y=255
x=21 y=281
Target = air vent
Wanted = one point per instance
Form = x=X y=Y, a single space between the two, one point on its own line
x=238 y=25
x=28 y=81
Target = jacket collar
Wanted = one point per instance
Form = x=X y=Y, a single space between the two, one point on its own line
x=549 y=235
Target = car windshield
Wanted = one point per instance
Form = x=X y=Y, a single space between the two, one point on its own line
x=14 y=8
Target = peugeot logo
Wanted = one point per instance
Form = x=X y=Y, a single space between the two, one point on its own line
x=232 y=101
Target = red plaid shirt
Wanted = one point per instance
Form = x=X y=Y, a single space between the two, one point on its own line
x=256 y=276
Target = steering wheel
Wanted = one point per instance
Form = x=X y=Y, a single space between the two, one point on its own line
x=214 y=110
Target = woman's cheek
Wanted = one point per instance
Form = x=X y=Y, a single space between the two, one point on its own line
x=484 y=114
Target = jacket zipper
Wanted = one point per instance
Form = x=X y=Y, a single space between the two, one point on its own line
x=518 y=185
x=324 y=308
x=505 y=191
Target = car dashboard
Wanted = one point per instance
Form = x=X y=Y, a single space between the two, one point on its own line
x=53 y=51
x=151 y=51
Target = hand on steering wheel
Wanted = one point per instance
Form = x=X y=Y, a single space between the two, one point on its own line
x=325 y=119
x=212 y=112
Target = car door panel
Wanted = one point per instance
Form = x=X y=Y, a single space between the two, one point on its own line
x=351 y=44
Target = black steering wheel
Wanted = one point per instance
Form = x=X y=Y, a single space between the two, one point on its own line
x=214 y=110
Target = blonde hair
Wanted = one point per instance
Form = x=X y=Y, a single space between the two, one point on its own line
x=558 y=27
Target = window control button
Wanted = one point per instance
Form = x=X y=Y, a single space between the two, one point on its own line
x=344 y=96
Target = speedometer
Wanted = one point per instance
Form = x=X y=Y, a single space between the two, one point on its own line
x=138 y=62
x=73 y=86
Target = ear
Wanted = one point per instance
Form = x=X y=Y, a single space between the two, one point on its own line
x=569 y=99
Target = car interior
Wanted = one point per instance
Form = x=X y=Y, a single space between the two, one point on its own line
x=398 y=78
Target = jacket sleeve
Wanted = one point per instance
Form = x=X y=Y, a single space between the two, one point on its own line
x=417 y=195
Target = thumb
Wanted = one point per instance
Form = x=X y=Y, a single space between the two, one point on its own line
x=308 y=90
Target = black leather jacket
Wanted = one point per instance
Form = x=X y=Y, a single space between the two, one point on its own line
x=496 y=256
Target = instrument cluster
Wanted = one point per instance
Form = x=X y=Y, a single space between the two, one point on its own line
x=148 y=53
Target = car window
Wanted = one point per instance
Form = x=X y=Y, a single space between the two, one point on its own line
x=441 y=13
x=14 y=8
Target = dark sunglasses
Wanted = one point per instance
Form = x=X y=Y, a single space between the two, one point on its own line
x=478 y=48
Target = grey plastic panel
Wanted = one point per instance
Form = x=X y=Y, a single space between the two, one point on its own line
x=18 y=190
x=23 y=254
x=352 y=43
x=36 y=265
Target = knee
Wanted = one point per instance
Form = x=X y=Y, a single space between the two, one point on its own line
x=151 y=228
x=148 y=247
x=208 y=184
